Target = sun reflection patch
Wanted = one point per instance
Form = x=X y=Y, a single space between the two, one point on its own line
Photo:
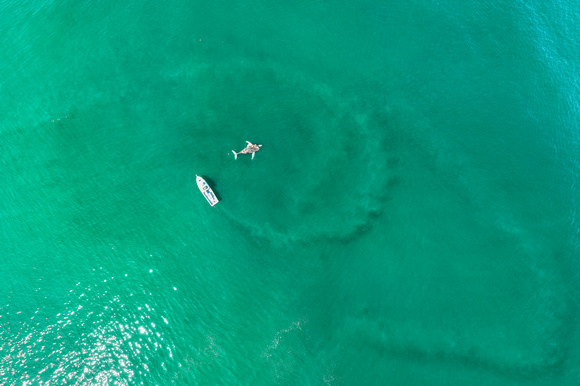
x=95 y=338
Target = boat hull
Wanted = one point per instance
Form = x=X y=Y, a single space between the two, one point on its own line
x=206 y=191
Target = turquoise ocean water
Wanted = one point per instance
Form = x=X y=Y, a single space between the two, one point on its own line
x=413 y=217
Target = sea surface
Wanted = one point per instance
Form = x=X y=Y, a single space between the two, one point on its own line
x=412 y=218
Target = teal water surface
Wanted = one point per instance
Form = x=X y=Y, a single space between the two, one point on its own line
x=412 y=216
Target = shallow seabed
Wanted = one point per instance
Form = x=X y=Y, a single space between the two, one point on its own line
x=412 y=216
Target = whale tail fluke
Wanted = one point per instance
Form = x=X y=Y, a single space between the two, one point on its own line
x=235 y=154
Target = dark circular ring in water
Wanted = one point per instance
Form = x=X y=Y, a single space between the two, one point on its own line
x=321 y=172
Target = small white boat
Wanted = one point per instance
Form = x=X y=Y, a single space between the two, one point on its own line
x=206 y=191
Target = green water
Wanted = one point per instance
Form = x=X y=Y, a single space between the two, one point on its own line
x=411 y=218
